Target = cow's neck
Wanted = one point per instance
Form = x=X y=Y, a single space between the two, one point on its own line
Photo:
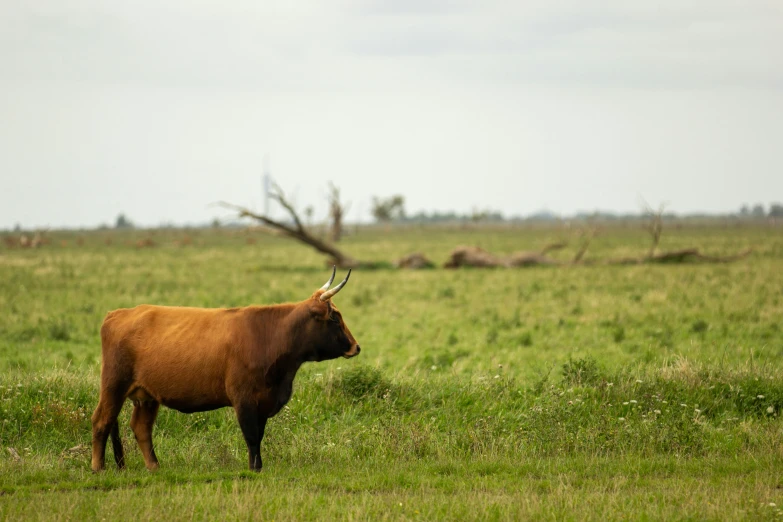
x=280 y=381
x=289 y=357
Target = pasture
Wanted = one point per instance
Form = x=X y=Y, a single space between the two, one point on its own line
x=589 y=392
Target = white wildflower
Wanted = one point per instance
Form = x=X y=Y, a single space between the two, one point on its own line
x=759 y=396
x=633 y=401
x=771 y=410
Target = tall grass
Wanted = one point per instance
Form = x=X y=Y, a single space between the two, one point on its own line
x=361 y=413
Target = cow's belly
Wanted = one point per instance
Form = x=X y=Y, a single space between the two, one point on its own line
x=190 y=407
x=190 y=403
x=188 y=394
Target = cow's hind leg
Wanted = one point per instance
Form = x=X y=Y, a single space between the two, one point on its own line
x=104 y=422
x=116 y=444
x=142 y=420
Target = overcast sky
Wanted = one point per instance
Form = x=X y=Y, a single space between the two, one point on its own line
x=157 y=108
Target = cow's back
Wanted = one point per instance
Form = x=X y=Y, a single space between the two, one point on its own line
x=175 y=355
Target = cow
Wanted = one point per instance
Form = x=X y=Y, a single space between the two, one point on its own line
x=201 y=359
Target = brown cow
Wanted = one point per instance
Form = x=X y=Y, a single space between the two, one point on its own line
x=200 y=359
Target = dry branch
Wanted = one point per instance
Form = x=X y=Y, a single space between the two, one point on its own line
x=693 y=254
x=522 y=259
x=472 y=256
x=587 y=238
x=417 y=260
x=297 y=231
x=554 y=246
x=480 y=258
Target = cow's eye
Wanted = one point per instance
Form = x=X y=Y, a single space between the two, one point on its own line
x=334 y=318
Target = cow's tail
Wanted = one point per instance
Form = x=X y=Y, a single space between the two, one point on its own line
x=116 y=444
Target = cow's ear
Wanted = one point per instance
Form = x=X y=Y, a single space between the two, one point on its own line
x=321 y=309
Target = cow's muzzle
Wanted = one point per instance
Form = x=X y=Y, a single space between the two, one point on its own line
x=353 y=352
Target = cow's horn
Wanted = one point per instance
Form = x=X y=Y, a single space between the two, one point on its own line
x=329 y=282
x=329 y=293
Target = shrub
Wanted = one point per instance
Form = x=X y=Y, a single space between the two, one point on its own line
x=362 y=381
x=582 y=371
x=59 y=330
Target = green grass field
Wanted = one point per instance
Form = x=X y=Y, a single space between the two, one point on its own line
x=591 y=392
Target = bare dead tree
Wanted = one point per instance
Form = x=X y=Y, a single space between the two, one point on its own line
x=337 y=211
x=654 y=226
x=296 y=230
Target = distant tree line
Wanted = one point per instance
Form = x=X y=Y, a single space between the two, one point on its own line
x=392 y=208
x=476 y=216
x=757 y=211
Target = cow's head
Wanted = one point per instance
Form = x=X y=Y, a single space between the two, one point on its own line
x=330 y=336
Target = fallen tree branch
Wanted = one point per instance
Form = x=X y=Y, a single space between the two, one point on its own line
x=417 y=260
x=522 y=259
x=472 y=256
x=479 y=258
x=684 y=255
x=297 y=231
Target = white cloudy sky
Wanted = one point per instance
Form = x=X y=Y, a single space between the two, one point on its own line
x=158 y=108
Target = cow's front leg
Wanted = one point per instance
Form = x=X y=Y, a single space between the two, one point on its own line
x=252 y=426
x=261 y=428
